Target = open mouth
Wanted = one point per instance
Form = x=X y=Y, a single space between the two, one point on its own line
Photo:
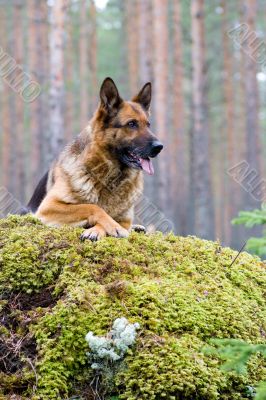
x=136 y=161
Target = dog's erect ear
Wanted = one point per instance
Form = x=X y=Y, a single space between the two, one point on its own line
x=144 y=96
x=109 y=95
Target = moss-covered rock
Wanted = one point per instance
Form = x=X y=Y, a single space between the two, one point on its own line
x=182 y=292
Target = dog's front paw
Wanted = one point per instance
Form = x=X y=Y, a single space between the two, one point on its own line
x=95 y=233
x=138 y=228
x=121 y=232
x=116 y=230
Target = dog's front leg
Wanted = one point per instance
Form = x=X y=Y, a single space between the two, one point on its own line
x=55 y=213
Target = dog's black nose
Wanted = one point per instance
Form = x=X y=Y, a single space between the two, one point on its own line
x=156 y=147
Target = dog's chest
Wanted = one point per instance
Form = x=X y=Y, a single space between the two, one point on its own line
x=115 y=194
x=116 y=200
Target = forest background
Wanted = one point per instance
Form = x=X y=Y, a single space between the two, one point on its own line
x=207 y=63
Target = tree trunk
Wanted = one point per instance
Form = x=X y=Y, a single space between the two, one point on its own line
x=160 y=96
x=145 y=66
x=13 y=161
x=93 y=56
x=42 y=110
x=179 y=182
x=132 y=44
x=35 y=137
x=145 y=44
x=123 y=74
x=253 y=144
x=56 y=46
x=83 y=64
x=19 y=103
x=229 y=102
x=69 y=79
x=200 y=166
x=5 y=115
x=37 y=12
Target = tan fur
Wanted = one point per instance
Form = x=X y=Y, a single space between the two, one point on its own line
x=87 y=187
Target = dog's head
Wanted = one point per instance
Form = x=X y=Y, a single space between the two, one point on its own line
x=125 y=127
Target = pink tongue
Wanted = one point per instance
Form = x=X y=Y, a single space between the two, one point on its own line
x=147 y=165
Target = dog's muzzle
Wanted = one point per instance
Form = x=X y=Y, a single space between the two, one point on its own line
x=156 y=147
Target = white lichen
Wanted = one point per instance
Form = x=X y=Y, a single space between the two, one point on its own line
x=113 y=346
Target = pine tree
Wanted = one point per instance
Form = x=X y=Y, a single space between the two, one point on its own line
x=57 y=31
x=200 y=164
x=83 y=64
x=160 y=98
x=236 y=354
x=178 y=159
x=250 y=219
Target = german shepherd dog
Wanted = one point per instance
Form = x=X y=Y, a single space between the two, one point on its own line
x=97 y=179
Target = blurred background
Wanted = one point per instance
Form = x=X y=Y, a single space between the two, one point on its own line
x=206 y=60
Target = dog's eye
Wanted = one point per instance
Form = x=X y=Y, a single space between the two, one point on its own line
x=132 y=124
x=148 y=124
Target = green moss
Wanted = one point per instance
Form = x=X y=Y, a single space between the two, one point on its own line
x=182 y=291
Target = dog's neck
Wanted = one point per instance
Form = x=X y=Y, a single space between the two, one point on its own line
x=95 y=160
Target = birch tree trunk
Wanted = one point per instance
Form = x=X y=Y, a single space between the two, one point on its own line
x=56 y=46
x=200 y=164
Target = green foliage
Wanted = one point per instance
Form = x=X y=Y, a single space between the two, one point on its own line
x=181 y=291
x=261 y=391
x=250 y=219
x=236 y=354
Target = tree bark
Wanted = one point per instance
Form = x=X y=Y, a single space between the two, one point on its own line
x=179 y=182
x=19 y=103
x=229 y=103
x=83 y=64
x=145 y=66
x=145 y=44
x=37 y=12
x=69 y=79
x=200 y=165
x=93 y=56
x=123 y=57
x=5 y=115
x=160 y=96
x=56 y=46
x=42 y=44
x=253 y=144
x=34 y=128
x=132 y=44
x=13 y=161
